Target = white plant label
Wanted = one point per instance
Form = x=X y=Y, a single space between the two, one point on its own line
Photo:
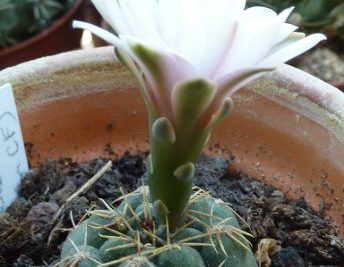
x=13 y=160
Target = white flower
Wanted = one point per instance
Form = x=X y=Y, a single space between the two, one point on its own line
x=167 y=42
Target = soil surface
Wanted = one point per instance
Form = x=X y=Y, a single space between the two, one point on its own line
x=288 y=232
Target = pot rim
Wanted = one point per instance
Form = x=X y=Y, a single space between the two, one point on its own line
x=287 y=85
x=42 y=34
x=306 y=95
x=42 y=87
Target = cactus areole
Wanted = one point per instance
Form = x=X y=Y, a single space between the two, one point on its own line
x=189 y=57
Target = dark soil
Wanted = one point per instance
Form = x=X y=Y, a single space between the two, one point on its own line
x=30 y=237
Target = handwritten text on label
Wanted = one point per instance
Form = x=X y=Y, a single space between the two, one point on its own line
x=13 y=161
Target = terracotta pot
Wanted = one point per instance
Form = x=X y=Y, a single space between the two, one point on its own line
x=59 y=37
x=287 y=129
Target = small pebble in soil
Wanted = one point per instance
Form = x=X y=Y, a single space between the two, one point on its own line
x=42 y=214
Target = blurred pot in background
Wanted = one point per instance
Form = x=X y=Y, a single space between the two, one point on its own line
x=31 y=29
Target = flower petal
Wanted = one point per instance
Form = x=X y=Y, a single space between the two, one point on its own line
x=173 y=66
x=284 y=15
x=219 y=27
x=171 y=28
x=292 y=50
x=285 y=31
x=105 y=35
x=227 y=86
x=289 y=40
x=111 y=12
x=254 y=36
x=145 y=13
x=167 y=42
x=233 y=81
x=162 y=69
x=141 y=17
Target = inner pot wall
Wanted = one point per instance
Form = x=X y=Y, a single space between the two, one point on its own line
x=73 y=104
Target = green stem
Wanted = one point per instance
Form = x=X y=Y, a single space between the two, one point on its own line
x=173 y=154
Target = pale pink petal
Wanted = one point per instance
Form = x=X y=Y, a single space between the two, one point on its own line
x=190 y=33
x=233 y=81
x=262 y=42
x=289 y=40
x=145 y=15
x=217 y=46
x=105 y=35
x=227 y=86
x=293 y=50
x=254 y=37
x=170 y=69
x=128 y=18
x=219 y=25
x=200 y=39
x=284 y=15
x=173 y=66
x=140 y=17
x=111 y=12
x=258 y=16
x=173 y=18
x=284 y=32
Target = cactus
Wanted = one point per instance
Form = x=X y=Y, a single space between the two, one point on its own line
x=133 y=235
x=186 y=97
x=20 y=19
x=311 y=15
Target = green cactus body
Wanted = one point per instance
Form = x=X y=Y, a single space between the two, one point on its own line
x=181 y=257
x=209 y=236
x=82 y=256
x=88 y=233
x=138 y=262
x=112 y=250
